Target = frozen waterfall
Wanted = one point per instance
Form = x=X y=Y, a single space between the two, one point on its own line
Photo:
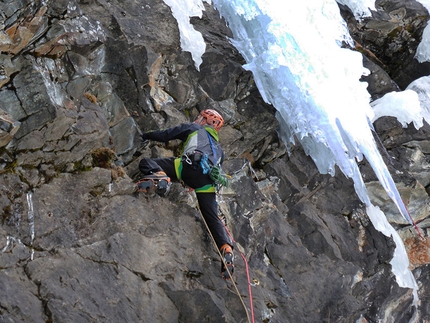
x=295 y=54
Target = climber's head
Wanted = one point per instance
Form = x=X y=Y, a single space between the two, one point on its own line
x=210 y=117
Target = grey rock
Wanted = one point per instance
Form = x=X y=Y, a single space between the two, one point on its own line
x=123 y=136
x=79 y=244
x=11 y=105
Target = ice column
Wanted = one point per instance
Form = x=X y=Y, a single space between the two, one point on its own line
x=31 y=221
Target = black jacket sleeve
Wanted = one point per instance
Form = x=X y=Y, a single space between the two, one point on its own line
x=179 y=132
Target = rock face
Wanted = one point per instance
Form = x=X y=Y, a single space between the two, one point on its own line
x=390 y=38
x=79 y=80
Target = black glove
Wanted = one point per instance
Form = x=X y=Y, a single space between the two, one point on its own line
x=144 y=136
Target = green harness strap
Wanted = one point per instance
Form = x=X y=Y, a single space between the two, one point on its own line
x=209 y=188
x=178 y=168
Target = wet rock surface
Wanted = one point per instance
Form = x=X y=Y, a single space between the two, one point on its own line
x=79 y=80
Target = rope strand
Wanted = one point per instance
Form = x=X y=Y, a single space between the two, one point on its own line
x=250 y=320
x=247 y=275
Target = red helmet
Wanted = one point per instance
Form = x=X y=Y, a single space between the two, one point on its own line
x=210 y=117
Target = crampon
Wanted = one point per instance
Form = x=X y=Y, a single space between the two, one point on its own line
x=156 y=183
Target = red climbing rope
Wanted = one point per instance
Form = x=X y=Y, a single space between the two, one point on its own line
x=247 y=275
x=249 y=287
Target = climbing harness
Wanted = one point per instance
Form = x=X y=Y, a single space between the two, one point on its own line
x=192 y=158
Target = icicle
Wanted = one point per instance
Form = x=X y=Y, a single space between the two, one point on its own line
x=9 y=243
x=191 y=40
x=31 y=221
x=400 y=261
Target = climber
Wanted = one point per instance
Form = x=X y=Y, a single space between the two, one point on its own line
x=199 y=167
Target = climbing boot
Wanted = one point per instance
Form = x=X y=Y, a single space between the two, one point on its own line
x=158 y=182
x=227 y=266
x=163 y=187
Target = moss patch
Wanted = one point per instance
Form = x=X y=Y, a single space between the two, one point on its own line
x=102 y=157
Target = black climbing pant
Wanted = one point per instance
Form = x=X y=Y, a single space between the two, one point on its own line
x=193 y=177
